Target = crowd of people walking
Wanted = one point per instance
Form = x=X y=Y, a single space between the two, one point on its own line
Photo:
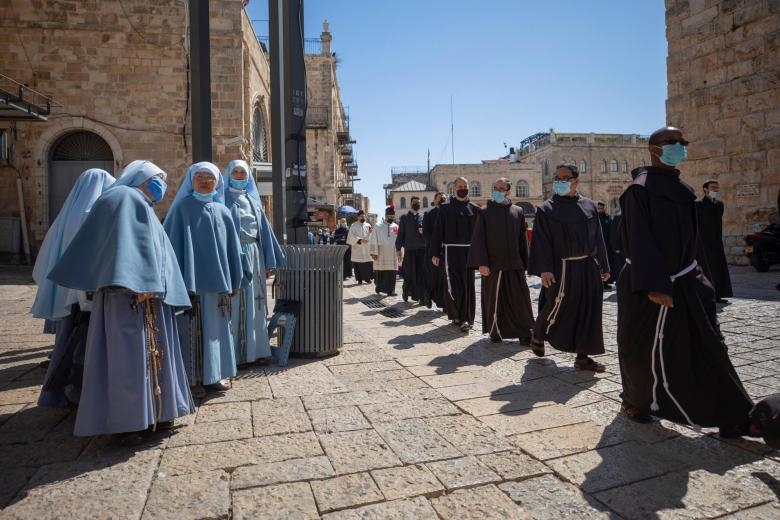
x=150 y=315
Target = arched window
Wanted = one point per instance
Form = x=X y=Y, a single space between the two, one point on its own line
x=624 y=167
x=402 y=202
x=583 y=166
x=449 y=188
x=521 y=189
x=259 y=137
x=425 y=202
x=603 y=166
x=613 y=166
x=475 y=189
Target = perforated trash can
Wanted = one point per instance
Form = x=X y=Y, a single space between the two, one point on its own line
x=314 y=276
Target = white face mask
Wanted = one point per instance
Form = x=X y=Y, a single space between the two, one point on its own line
x=713 y=195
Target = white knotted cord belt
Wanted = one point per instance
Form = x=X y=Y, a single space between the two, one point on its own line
x=447 y=265
x=561 y=292
x=495 y=309
x=658 y=342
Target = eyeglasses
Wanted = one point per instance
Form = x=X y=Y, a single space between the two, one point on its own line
x=563 y=179
x=675 y=141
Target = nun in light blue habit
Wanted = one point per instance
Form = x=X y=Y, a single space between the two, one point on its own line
x=208 y=251
x=134 y=376
x=261 y=252
x=68 y=308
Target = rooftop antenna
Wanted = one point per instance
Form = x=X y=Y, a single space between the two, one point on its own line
x=452 y=131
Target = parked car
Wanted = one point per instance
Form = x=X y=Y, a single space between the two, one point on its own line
x=763 y=247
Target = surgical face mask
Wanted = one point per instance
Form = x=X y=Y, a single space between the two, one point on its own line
x=390 y=219
x=157 y=188
x=239 y=184
x=673 y=154
x=713 y=195
x=498 y=196
x=462 y=194
x=416 y=206
x=204 y=196
x=362 y=220
x=561 y=187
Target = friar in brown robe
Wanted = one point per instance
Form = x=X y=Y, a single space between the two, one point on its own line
x=499 y=249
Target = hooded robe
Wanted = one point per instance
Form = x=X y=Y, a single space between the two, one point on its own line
x=711 y=256
x=568 y=242
x=119 y=251
x=499 y=242
x=673 y=361
x=260 y=251
x=207 y=248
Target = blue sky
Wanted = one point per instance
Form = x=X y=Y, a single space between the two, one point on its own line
x=511 y=67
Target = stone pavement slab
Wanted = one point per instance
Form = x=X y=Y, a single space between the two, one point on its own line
x=272 y=502
x=413 y=419
x=345 y=491
x=407 y=481
x=204 y=495
x=292 y=470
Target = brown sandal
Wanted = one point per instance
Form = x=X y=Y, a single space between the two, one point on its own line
x=636 y=415
x=589 y=364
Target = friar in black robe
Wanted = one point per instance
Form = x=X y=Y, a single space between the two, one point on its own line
x=606 y=231
x=452 y=236
x=434 y=274
x=673 y=360
x=410 y=239
x=499 y=249
x=569 y=254
x=711 y=256
x=618 y=257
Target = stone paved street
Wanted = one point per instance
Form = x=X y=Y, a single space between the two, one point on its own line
x=412 y=420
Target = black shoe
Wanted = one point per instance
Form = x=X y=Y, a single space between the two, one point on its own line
x=405 y=297
x=393 y=294
x=721 y=300
x=360 y=283
x=537 y=347
x=524 y=341
x=495 y=339
x=376 y=290
x=428 y=303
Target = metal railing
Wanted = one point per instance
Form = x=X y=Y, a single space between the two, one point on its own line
x=311 y=46
x=400 y=170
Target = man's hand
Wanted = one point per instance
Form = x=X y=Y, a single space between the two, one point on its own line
x=435 y=260
x=374 y=257
x=604 y=277
x=399 y=256
x=547 y=279
x=661 y=298
x=484 y=270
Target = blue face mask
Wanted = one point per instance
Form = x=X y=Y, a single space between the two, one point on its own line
x=498 y=196
x=673 y=154
x=561 y=187
x=239 y=184
x=205 y=197
x=157 y=188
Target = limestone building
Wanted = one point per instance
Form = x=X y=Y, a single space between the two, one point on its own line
x=604 y=161
x=525 y=179
x=114 y=81
x=723 y=74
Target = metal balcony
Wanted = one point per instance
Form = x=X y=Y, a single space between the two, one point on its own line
x=18 y=102
x=346 y=190
x=317 y=116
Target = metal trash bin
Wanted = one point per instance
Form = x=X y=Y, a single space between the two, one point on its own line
x=314 y=276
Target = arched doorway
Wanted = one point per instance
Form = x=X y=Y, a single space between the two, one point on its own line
x=70 y=155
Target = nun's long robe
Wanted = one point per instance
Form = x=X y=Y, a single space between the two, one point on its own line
x=121 y=250
x=204 y=238
x=260 y=251
x=681 y=346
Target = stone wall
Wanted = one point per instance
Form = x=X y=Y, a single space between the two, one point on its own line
x=120 y=70
x=486 y=173
x=591 y=151
x=724 y=93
